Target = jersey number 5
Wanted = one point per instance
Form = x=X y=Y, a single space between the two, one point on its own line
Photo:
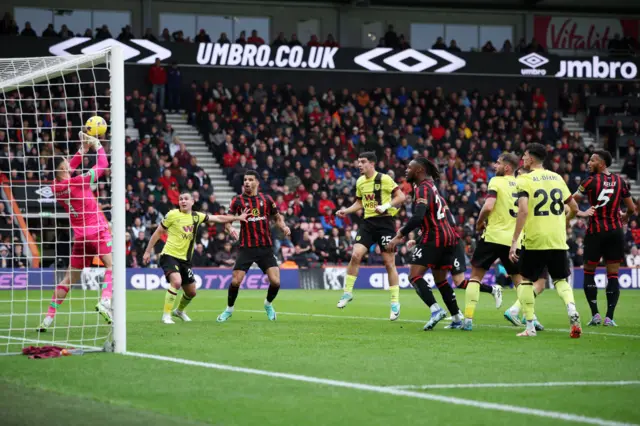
x=604 y=198
x=556 y=207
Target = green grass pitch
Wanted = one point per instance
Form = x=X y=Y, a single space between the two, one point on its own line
x=355 y=345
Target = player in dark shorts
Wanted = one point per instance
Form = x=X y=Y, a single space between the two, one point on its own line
x=438 y=241
x=605 y=192
x=181 y=226
x=256 y=245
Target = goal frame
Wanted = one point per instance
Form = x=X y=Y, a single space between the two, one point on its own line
x=15 y=73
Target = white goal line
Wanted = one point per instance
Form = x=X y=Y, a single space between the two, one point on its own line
x=389 y=391
x=519 y=385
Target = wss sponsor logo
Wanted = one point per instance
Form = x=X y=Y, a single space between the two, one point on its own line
x=266 y=56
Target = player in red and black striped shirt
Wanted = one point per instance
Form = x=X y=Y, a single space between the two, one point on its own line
x=256 y=245
x=437 y=244
x=605 y=192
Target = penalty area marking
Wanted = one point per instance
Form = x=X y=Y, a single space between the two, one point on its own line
x=519 y=385
x=389 y=391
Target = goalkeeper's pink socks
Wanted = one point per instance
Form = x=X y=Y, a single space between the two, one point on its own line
x=55 y=301
x=107 y=287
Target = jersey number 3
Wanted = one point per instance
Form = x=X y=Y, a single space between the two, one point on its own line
x=556 y=206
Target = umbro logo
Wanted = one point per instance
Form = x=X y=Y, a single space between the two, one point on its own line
x=410 y=60
x=533 y=61
x=87 y=46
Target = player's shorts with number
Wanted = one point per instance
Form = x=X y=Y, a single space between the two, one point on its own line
x=376 y=230
x=534 y=262
x=261 y=256
x=170 y=265
x=608 y=245
x=486 y=254
x=87 y=247
x=434 y=257
x=459 y=260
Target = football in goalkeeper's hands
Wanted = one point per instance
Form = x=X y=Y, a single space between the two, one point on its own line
x=96 y=126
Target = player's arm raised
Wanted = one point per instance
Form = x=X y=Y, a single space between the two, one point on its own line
x=227 y=218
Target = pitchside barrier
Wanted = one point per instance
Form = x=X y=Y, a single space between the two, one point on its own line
x=329 y=278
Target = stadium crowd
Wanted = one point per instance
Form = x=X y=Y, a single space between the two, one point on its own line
x=304 y=145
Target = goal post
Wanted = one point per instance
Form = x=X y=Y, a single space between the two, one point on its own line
x=44 y=103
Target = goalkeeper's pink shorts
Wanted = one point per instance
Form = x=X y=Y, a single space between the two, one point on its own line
x=88 y=247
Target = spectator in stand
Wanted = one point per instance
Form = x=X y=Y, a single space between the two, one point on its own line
x=535 y=47
x=294 y=40
x=506 y=47
x=478 y=173
x=522 y=46
x=178 y=37
x=203 y=37
x=222 y=40
x=439 y=44
x=615 y=44
x=313 y=42
x=331 y=42
x=28 y=31
x=165 y=36
x=174 y=87
x=242 y=39
x=65 y=33
x=103 y=33
x=255 y=39
x=453 y=46
x=321 y=246
x=158 y=79
x=630 y=165
x=280 y=40
x=329 y=220
x=183 y=156
x=49 y=31
x=304 y=251
x=391 y=38
x=225 y=258
x=199 y=259
x=404 y=44
x=488 y=47
x=148 y=35
x=126 y=34
x=19 y=260
x=633 y=258
x=8 y=25
x=404 y=152
x=88 y=33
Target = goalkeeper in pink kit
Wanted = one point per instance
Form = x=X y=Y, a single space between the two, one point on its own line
x=91 y=235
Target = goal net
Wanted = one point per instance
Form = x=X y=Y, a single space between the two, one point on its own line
x=44 y=103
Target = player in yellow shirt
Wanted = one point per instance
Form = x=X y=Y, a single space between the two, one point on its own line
x=380 y=197
x=542 y=195
x=181 y=226
x=497 y=219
